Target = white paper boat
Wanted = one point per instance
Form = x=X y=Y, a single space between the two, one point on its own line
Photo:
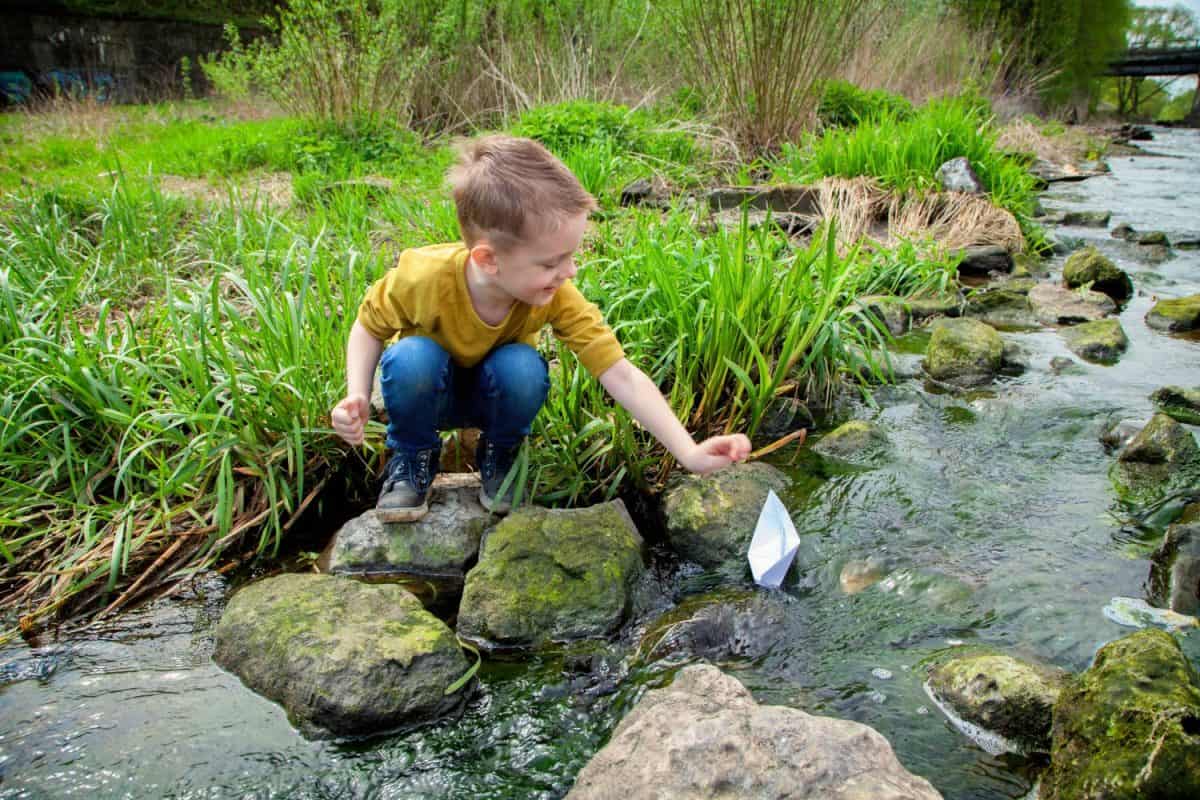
x=774 y=544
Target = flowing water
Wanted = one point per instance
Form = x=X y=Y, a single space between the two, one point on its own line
x=995 y=515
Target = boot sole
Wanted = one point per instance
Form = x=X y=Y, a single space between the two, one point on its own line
x=402 y=514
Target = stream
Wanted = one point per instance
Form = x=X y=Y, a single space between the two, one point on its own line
x=995 y=515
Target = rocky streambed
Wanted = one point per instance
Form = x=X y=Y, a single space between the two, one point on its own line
x=976 y=546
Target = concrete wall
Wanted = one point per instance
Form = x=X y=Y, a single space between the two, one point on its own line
x=142 y=56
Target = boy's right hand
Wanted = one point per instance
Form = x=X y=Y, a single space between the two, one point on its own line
x=350 y=418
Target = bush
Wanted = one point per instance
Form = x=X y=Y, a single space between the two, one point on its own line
x=844 y=105
x=347 y=62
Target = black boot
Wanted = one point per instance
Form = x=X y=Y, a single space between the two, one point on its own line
x=406 y=481
x=495 y=462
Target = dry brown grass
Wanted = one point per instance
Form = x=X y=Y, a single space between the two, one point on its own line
x=263 y=191
x=1069 y=147
x=867 y=213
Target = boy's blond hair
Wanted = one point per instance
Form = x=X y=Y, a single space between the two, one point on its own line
x=508 y=189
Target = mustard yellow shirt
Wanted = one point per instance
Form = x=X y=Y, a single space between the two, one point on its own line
x=425 y=294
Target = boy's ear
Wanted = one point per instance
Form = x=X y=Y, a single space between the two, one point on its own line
x=484 y=256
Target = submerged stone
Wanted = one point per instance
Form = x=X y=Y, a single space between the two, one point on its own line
x=965 y=352
x=1057 y=305
x=547 y=575
x=1175 y=570
x=1175 y=315
x=1084 y=219
x=1178 y=403
x=1001 y=694
x=856 y=442
x=719 y=626
x=1134 y=612
x=711 y=518
x=704 y=736
x=1090 y=267
x=1128 y=727
x=342 y=657
x=1153 y=237
x=444 y=543
x=863 y=574
x=1102 y=341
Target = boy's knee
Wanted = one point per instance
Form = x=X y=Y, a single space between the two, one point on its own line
x=418 y=363
x=518 y=372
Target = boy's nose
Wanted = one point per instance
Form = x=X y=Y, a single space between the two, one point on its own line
x=570 y=269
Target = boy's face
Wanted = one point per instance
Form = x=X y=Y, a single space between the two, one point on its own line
x=532 y=271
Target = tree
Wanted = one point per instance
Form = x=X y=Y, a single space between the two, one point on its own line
x=1068 y=41
x=1151 y=28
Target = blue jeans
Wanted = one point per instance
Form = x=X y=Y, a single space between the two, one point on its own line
x=425 y=392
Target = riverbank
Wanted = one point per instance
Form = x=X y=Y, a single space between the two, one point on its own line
x=973 y=511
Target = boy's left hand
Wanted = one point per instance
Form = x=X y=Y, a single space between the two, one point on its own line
x=717 y=452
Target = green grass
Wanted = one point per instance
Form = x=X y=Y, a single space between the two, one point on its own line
x=170 y=364
x=905 y=153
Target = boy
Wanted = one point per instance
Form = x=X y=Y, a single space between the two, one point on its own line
x=468 y=316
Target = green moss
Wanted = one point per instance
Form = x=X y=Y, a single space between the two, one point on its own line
x=1178 y=403
x=1101 y=341
x=1129 y=727
x=552 y=575
x=1176 y=314
x=964 y=350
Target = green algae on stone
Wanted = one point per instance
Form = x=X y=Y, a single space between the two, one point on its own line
x=944 y=305
x=552 y=575
x=1090 y=267
x=856 y=442
x=1102 y=341
x=1001 y=694
x=1175 y=315
x=964 y=352
x=1129 y=726
x=1178 y=403
x=342 y=657
x=711 y=518
x=1161 y=456
x=1001 y=307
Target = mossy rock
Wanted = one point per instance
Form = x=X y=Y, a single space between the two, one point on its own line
x=1084 y=219
x=945 y=305
x=1162 y=457
x=1178 y=403
x=965 y=352
x=783 y=416
x=1057 y=305
x=711 y=518
x=1102 y=341
x=444 y=543
x=856 y=442
x=1152 y=237
x=342 y=657
x=1162 y=441
x=1175 y=315
x=1128 y=727
x=552 y=575
x=1175 y=570
x=1001 y=307
x=1001 y=694
x=1090 y=267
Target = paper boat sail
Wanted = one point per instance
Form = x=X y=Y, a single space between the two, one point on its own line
x=774 y=544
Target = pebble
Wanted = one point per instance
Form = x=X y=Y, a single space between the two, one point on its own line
x=882 y=674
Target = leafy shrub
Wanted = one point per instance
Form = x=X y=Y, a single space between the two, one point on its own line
x=349 y=62
x=566 y=126
x=843 y=104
